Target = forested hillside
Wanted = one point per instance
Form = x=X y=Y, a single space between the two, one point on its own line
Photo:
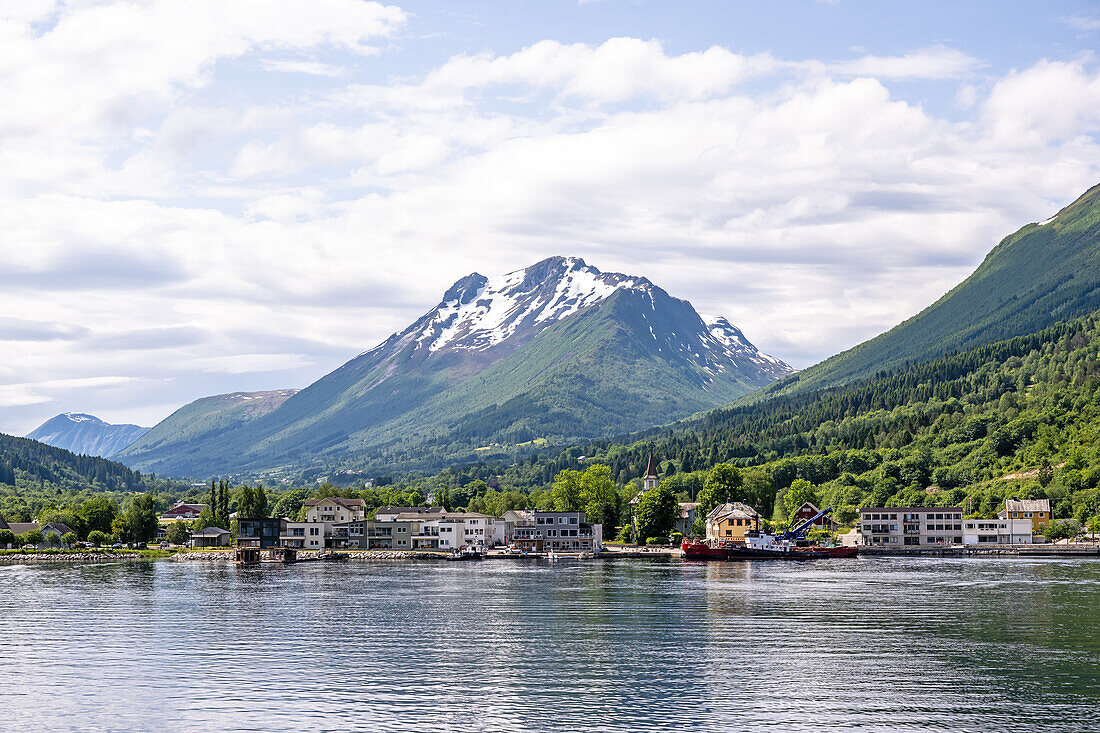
x=34 y=475
x=1042 y=274
x=1016 y=417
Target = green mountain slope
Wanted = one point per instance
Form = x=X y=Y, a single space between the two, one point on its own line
x=558 y=351
x=208 y=418
x=1042 y=274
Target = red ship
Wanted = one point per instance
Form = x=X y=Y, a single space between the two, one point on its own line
x=767 y=548
x=789 y=545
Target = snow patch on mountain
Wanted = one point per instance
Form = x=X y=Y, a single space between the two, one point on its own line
x=479 y=313
x=533 y=297
x=82 y=417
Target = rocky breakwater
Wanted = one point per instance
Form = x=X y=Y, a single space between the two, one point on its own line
x=367 y=555
x=29 y=558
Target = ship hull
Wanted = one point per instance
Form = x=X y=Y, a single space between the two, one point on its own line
x=702 y=551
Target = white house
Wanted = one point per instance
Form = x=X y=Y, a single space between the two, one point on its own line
x=304 y=535
x=996 y=531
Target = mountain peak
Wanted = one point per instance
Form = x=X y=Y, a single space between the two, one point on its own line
x=81 y=417
x=80 y=432
x=479 y=312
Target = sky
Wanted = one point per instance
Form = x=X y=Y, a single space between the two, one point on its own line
x=200 y=197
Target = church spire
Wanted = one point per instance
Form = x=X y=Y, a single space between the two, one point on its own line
x=650 y=480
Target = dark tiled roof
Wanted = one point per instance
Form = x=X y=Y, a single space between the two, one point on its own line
x=62 y=528
x=210 y=532
x=22 y=527
x=651 y=469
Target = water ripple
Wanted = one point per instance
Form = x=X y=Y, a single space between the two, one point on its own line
x=881 y=643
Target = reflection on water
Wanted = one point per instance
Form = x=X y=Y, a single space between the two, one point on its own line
x=882 y=643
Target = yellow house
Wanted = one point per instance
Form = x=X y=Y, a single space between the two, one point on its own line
x=1037 y=510
x=729 y=522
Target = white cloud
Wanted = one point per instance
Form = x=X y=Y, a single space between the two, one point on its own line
x=315 y=68
x=253 y=242
x=1084 y=23
x=937 y=62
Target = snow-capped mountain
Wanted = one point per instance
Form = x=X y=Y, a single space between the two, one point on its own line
x=86 y=434
x=558 y=350
x=479 y=313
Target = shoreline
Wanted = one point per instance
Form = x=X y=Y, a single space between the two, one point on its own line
x=227 y=556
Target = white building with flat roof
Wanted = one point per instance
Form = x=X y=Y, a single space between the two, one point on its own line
x=997 y=532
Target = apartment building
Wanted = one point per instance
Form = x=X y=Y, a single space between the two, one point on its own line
x=912 y=526
x=303 y=535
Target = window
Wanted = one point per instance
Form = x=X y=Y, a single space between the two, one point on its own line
x=572 y=520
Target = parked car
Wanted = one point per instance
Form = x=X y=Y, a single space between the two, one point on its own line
x=117 y=546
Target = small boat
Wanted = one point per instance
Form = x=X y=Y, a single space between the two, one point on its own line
x=467 y=553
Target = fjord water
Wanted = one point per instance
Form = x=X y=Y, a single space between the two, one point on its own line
x=880 y=643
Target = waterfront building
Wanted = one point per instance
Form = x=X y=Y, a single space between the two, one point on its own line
x=303 y=535
x=997 y=531
x=911 y=526
x=730 y=521
x=559 y=531
x=389 y=534
x=260 y=532
x=335 y=510
x=1037 y=511
x=210 y=537
x=511 y=519
x=332 y=515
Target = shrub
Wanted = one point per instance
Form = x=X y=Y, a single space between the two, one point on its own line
x=657 y=541
x=69 y=539
x=98 y=538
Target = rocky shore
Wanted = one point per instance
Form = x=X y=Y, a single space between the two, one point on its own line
x=28 y=558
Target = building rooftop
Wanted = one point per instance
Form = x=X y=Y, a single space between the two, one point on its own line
x=22 y=527
x=186 y=505
x=210 y=532
x=408 y=510
x=1027 y=505
x=346 y=503
x=733 y=507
